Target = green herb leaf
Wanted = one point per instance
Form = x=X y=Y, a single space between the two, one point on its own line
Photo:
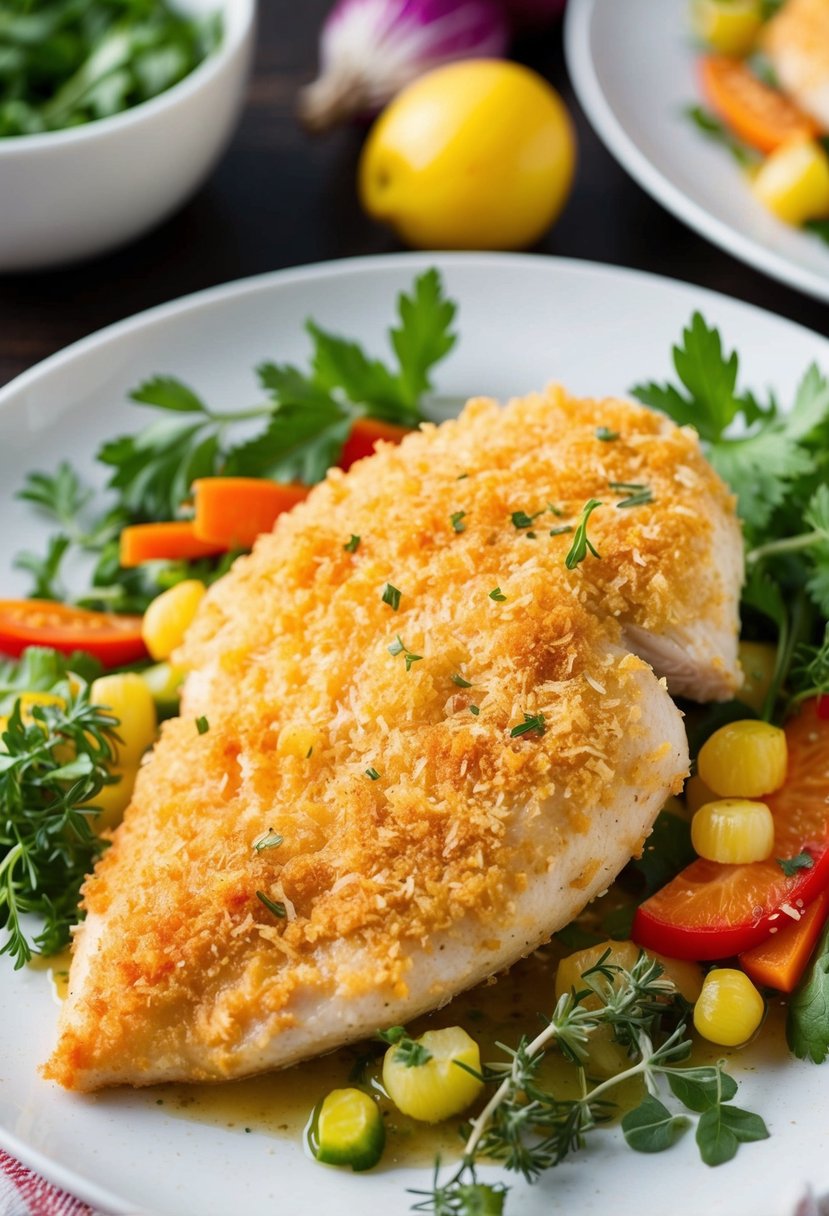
x=274 y=906
x=605 y=435
x=408 y=1051
x=202 y=725
x=722 y=1129
x=520 y=519
x=791 y=865
x=456 y=519
x=391 y=596
x=352 y=545
x=398 y=646
x=474 y=710
x=701 y=1088
x=582 y=545
x=533 y=723
x=650 y=1127
x=268 y=840
x=807 y=1022
x=461 y=682
x=424 y=336
x=497 y=595
x=707 y=122
x=372 y=774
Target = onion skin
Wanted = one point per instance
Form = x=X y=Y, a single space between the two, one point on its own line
x=371 y=49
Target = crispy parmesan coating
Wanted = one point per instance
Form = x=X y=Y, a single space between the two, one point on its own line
x=426 y=841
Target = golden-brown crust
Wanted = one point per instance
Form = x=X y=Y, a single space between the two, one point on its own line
x=291 y=665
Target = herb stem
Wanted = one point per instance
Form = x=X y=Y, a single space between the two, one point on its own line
x=787 y=544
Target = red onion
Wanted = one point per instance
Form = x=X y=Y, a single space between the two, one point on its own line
x=370 y=49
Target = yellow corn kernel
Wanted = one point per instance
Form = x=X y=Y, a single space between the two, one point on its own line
x=169 y=616
x=793 y=182
x=113 y=800
x=729 y=1009
x=606 y=1057
x=129 y=699
x=296 y=740
x=757 y=660
x=733 y=831
x=744 y=760
x=439 y=1088
x=727 y=26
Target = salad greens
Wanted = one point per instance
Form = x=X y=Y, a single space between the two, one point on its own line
x=304 y=424
x=64 y=63
x=778 y=465
x=807 y=1022
x=54 y=761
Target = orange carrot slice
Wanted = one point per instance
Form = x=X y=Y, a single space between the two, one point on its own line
x=171 y=541
x=754 y=111
x=233 y=511
x=780 y=961
x=365 y=433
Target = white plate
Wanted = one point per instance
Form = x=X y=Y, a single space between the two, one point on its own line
x=633 y=67
x=523 y=321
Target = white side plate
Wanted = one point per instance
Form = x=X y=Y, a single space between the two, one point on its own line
x=633 y=67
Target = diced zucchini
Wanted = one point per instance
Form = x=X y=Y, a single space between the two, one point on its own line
x=350 y=1130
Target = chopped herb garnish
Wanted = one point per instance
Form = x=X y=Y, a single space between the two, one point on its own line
x=530 y=535
x=202 y=725
x=717 y=131
x=372 y=774
x=409 y=1052
x=561 y=531
x=791 y=865
x=456 y=520
x=605 y=434
x=581 y=544
x=462 y=477
x=497 y=594
x=639 y=495
x=309 y=753
x=532 y=722
x=461 y=682
x=521 y=519
x=268 y=840
x=391 y=596
x=398 y=646
x=272 y=905
x=474 y=710
x=352 y=545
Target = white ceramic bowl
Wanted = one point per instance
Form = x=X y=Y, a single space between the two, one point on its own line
x=66 y=195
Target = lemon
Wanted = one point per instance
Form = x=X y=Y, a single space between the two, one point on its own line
x=793 y=182
x=478 y=154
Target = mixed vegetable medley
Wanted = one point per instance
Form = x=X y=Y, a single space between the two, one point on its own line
x=783 y=150
x=728 y=901
x=64 y=63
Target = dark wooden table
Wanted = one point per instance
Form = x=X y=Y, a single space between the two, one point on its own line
x=279 y=198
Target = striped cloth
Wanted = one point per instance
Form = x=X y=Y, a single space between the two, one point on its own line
x=23 y=1193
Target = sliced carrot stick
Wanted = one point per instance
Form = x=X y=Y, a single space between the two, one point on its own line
x=780 y=961
x=754 y=111
x=172 y=541
x=232 y=511
x=365 y=433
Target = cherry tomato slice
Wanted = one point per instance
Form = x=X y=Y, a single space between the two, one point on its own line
x=364 y=434
x=114 y=640
x=715 y=911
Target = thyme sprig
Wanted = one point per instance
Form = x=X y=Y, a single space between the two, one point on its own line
x=529 y=1129
x=55 y=760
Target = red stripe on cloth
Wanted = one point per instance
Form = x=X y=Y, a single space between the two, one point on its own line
x=23 y=1193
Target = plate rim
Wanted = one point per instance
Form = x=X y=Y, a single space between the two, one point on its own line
x=251 y=284
x=78 y=1184
x=614 y=136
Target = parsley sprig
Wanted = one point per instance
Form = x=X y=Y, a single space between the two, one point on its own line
x=530 y=1129
x=303 y=424
x=55 y=759
x=777 y=463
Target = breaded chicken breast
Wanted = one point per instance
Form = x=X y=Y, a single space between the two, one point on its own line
x=429 y=743
x=796 y=41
